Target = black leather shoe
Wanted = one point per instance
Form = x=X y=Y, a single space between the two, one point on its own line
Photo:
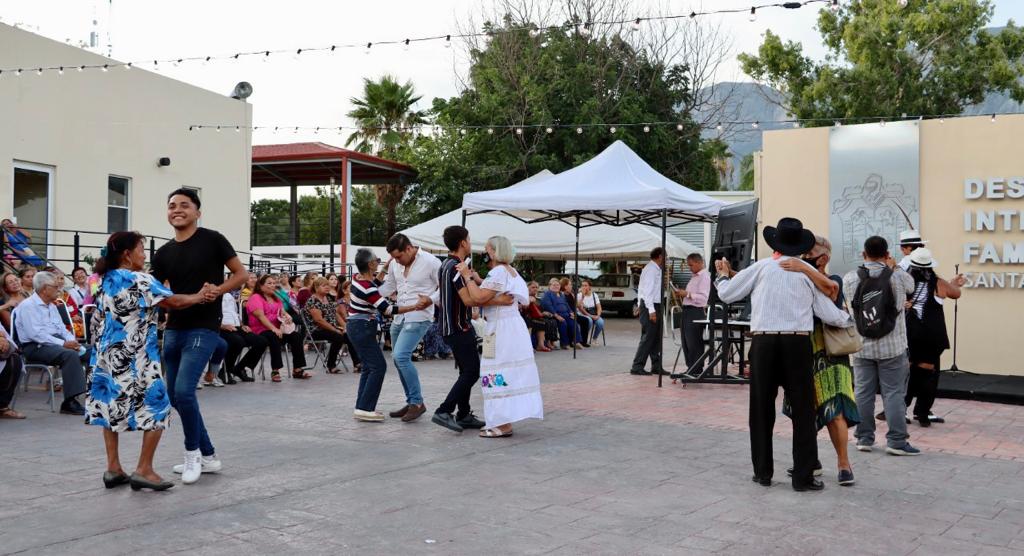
x=935 y=418
x=111 y=479
x=72 y=407
x=446 y=420
x=661 y=372
x=924 y=421
x=471 y=422
x=817 y=470
x=761 y=481
x=243 y=375
x=641 y=372
x=139 y=482
x=815 y=484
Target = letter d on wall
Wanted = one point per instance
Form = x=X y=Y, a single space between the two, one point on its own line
x=973 y=189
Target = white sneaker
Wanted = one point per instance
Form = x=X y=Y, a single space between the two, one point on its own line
x=217 y=383
x=368 y=416
x=199 y=385
x=209 y=464
x=193 y=467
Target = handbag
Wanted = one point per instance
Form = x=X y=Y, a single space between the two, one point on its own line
x=287 y=324
x=841 y=341
x=489 y=348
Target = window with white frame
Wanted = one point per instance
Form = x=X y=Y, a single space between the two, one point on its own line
x=117 y=203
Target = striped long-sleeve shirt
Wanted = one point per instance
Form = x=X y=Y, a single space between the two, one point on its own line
x=366 y=300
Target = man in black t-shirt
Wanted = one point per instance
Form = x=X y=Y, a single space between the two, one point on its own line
x=193 y=261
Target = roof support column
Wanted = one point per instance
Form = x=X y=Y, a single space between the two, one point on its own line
x=346 y=205
x=293 y=221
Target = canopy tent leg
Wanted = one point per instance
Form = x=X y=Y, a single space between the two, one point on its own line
x=573 y=280
x=463 y=219
x=661 y=293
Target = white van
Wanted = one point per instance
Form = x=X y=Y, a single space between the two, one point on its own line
x=617 y=292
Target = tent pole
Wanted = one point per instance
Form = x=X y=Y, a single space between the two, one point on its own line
x=463 y=218
x=661 y=293
x=573 y=279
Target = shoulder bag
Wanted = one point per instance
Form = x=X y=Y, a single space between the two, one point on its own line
x=841 y=341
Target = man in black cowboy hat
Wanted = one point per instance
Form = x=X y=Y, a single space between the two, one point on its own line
x=783 y=307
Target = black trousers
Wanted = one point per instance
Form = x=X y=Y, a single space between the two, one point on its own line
x=923 y=384
x=294 y=341
x=584 y=323
x=786 y=361
x=467 y=358
x=335 y=341
x=237 y=341
x=650 y=340
x=9 y=379
x=693 y=334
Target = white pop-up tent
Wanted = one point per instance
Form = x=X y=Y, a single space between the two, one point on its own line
x=548 y=240
x=615 y=188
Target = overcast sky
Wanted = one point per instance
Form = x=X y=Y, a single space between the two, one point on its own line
x=314 y=90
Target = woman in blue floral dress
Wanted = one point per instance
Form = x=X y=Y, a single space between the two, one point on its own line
x=126 y=389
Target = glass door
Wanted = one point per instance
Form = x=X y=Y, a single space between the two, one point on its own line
x=33 y=184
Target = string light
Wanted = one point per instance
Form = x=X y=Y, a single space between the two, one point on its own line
x=519 y=131
x=406 y=45
x=579 y=130
x=81 y=68
x=17 y=73
x=647 y=129
x=60 y=71
x=679 y=127
x=753 y=14
x=490 y=131
x=835 y=6
x=127 y=66
x=39 y=71
x=993 y=120
x=718 y=127
x=463 y=131
x=612 y=129
x=903 y=3
x=549 y=130
x=584 y=28
x=755 y=125
x=881 y=123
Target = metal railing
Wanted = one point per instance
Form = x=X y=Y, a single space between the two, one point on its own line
x=81 y=240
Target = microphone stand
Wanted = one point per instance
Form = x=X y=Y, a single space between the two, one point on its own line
x=956 y=314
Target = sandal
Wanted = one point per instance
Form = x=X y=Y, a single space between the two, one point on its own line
x=334 y=371
x=301 y=374
x=8 y=413
x=357 y=369
x=275 y=376
x=495 y=433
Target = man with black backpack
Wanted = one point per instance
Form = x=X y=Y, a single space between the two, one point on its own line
x=878 y=291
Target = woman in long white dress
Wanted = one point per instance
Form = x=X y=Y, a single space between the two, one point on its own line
x=509 y=380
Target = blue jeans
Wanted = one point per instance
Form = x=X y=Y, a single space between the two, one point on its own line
x=404 y=339
x=363 y=333
x=186 y=353
x=597 y=324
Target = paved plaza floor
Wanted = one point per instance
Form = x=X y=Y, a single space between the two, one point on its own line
x=617 y=467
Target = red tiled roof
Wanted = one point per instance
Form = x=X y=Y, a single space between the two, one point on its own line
x=310 y=151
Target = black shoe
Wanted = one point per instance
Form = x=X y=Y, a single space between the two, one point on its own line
x=139 y=482
x=641 y=372
x=880 y=416
x=111 y=479
x=846 y=477
x=924 y=421
x=471 y=422
x=761 y=481
x=935 y=418
x=817 y=470
x=72 y=407
x=662 y=372
x=229 y=380
x=243 y=375
x=814 y=484
x=400 y=413
x=446 y=420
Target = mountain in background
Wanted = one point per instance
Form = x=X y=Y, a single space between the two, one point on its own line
x=736 y=101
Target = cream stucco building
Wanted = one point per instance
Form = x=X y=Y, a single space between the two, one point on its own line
x=971 y=209
x=80 y=151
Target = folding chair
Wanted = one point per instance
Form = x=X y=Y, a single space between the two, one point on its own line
x=27 y=367
x=319 y=346
x=593 y=334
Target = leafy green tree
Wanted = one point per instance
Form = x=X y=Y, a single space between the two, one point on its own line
x=386 y=120
x=717 y=151
x=535 y=79
x=747 y=173
x=884 y=60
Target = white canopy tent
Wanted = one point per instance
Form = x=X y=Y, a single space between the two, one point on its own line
x=615 y=188
x=548 y=240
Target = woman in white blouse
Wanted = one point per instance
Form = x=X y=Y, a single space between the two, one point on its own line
x=588 y=304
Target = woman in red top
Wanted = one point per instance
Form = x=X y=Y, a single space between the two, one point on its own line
x=267 y=318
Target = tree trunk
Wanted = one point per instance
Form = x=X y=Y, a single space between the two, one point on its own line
x=389 y=196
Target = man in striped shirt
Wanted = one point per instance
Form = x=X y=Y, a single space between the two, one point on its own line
x=457 y=330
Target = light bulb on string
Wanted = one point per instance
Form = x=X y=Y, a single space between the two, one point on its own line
x=584 y=30
x=405 y=45
x=104 y=69
x=679 y=127
x=296 y=130
x=238 y=129
x=206 y=61
x=490 y=131
x=942 y=120
x=835 y=6
x=17 y=73
x=60 y=70
x=635 y=26
x=717 y=127
x=39 y=71
x=549 y=130
x=218 y=129
x=81 y=68
x=534 y=33
x=579 y=130
x=463 y=131
x=796 y=125
x=753 y=14
x=316 y=131
x=993 y=120
x=647 y=129
x=881 y=123
x=519 y=131
x=903 y=3
x=156 y=65
x=755 y=125
x=127 y=66
x=266 y=56
x=369 y=45
x=612 y=129
x=177 y=62
x=837 y=123
x=448 y=41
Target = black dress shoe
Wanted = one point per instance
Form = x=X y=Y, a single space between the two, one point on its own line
x=139 y=482
x=662 y=372
x=761 y=481
x=229 y=380
x=641 y=372
x=924 y=421
x=243 y=375
x=815 y=484
x=817 y=470
x=111 y=479
x=72 y=407
x=935 y=418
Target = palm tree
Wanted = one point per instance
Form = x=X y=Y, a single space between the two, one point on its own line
x=720 y=156
x=386 y=120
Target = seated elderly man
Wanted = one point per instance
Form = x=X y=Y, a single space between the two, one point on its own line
x=44 y=339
